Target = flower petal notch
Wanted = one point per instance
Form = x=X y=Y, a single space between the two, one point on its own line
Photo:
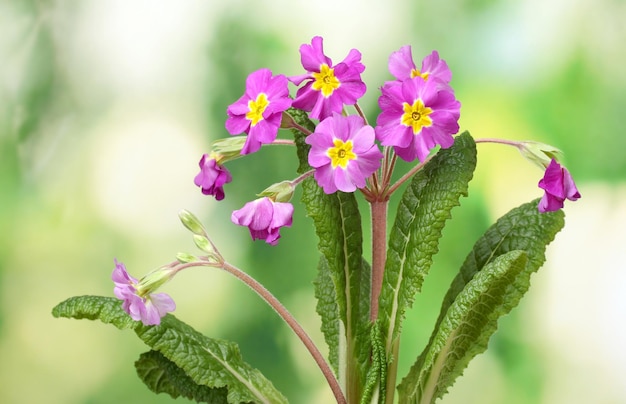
x=558 y=185
x=258 y=112
x=328 y=87
x=343 y=153
x=140 y=304
x=264 y=218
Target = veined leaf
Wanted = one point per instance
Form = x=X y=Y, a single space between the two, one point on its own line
x=209 y=362
x=464 y=330
x=161 y=375
x=344 y=277
x=523 y=228
x=414 y=238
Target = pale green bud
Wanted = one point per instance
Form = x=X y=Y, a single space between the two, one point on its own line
x=280 y=192
x=204 y=244
x=191 y=222
x=539 y=153
x=185 y=258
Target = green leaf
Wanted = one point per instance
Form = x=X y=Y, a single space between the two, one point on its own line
x=344 y=275
x=209 y=362
x=464 y=330
x=523 y=228
x=414 y=238
x=161 y=375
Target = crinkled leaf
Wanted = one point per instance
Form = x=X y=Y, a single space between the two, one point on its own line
x=422 y=212
x=161 y=375
x=464 y=330
x=208 y=362
x=523 y=228
x=338 y=226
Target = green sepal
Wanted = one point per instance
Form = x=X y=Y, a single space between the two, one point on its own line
x=208 y=362
x=414 y=238
x=161 y=375
x=464 y=330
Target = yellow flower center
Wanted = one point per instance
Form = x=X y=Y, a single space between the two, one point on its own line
x=416 y=116
x=256 y=108
x=325 y=80
x=341 y=154
x=416 y=72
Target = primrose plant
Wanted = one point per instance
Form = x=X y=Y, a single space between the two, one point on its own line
x=361 y=302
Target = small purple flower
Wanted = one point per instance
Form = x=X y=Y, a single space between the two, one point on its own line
x=558 y=185
x=329 y=87
x=416 y=115
x=402 y=67
x=264 y=218
x=148 y=309
x=343 y=153
x=259 y=111
x=212 y=177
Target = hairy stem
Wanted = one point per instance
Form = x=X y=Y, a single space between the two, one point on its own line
x=295 y=326
x=379 y=252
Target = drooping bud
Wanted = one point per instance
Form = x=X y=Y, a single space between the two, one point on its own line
x=280 y=192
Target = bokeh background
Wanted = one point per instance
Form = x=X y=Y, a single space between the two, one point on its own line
x=107 y=106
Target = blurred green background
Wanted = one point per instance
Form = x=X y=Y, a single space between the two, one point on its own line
x=106 y=108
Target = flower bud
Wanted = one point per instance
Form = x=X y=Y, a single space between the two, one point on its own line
x=539 y=153
x=191 y=222
x=280 y=192
x=204 y=244
x=185 y=258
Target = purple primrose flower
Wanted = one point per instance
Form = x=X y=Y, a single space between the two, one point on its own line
x=402 y=67
x=416 y=116
x=343 y=153
x=212 y=177
x=149 y=308
x=264 y=218
x=558 y=185
x=329 y=87
x=259 y=111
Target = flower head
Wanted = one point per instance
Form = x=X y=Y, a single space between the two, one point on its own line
x=140 y=304
x=416 y=116
x=343 y=153
x=258 y=112
x=329 y=87
x=558 y=185
x=212 y=177
x=402 y=67
x=264 y=218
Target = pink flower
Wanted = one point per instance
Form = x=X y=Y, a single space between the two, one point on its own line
x=416 y=116
x=402 y=67
x=558 y=185
x=149 y=308
x=212 y=177
x=259 y=111
x=264 y=218
x=329 y=87
x=343 y=153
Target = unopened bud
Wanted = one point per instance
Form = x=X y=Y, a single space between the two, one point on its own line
x=191 y=222
x=227 y=149
x=185 y=258
x=204 y=244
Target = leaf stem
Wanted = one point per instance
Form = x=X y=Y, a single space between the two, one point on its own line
x=295 y=326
